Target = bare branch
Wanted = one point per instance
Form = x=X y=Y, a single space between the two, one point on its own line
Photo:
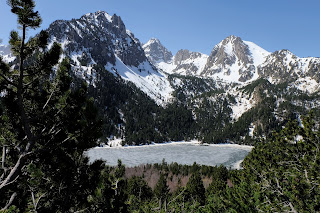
x=4 y=150
x=15 y=171
x=48 y=100
x=13 y=196
x=34 y=201
x=83 y=210
x=177 y=196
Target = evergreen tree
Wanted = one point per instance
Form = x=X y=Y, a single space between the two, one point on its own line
x=47 y=126
x=161 y=190
x=195 y=189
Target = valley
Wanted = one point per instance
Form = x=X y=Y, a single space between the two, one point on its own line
x=87 y=110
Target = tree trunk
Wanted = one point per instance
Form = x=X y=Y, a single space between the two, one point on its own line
x=16 y=170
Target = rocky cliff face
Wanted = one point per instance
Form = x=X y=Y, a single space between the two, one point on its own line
x=100 y=37
x=234 y=60
x=226 y=53
x=188 y=63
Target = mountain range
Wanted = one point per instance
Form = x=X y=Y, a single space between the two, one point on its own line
x=238 y=92
x=236 y=61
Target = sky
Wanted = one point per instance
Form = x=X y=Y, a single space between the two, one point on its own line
x=196 y=25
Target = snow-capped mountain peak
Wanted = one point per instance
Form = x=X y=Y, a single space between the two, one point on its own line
x=258 y=54
x=234 y=60
x=156 y=52
x=101 y=39
x=98 y=14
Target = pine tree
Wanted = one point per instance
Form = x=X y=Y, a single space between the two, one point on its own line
x=47 y=125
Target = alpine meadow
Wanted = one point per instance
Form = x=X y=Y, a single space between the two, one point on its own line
x=89 y=84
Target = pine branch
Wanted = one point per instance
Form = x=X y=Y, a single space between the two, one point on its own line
x=8 y=81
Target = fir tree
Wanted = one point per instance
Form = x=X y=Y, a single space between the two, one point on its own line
x=195 y=189
x=161 y=190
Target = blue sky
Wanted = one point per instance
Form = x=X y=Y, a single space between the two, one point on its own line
x=197 y=25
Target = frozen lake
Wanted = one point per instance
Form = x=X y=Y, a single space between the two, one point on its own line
x=229 y=155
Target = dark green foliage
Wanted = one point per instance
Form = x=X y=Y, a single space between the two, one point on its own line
x=110 y=194
x=195 y=190
x=139 y=193
x=280 y=175
x=262 y=83
x=161 y=190
x=138 y=189
x=176 y=122
x=24 y=9
x=185 y=170
x=47 y=126
x=219 y=181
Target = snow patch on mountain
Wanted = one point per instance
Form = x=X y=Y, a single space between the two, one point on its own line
x=258 y=54
x=192 y=65
x=166 y=67
x=307 y=85
x=244 y=102
x=5 y=52
x=146 y=78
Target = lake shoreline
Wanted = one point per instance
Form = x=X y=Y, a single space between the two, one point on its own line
x=182 y=152
x=117 y=143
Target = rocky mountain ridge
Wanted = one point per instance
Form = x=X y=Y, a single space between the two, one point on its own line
x=236 y=61
x=184 y=62
x=146 y=93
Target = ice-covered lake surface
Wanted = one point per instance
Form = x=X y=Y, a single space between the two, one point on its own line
x=230 y=155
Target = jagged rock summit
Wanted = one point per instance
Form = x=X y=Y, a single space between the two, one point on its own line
x=235 y=60
x=99 y=35
x=156 y=52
